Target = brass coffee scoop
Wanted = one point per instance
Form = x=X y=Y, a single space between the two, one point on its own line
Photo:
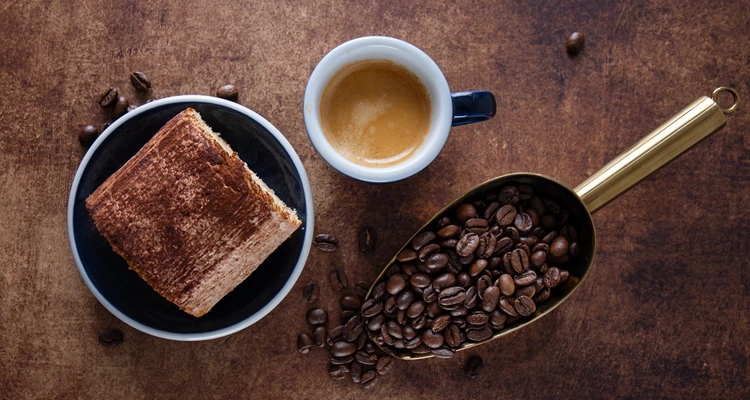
x=696 y=122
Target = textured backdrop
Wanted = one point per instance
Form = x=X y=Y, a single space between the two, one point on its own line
x=663 y=314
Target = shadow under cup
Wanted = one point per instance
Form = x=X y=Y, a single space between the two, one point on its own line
x=471 y=106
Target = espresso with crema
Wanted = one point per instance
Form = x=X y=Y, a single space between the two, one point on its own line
x=375 y=113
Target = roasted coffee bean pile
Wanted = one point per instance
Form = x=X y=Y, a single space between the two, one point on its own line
x=351 y=353
x=485 y=266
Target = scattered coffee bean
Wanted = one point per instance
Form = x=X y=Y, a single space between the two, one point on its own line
x=350 y=302
x=120 y=108
x=338 y=372
x=343 y=348
x=326 y=242
x=369 y=379
x=367 y=239
x=334 y=335
x=88 y=135
x=228 y=92
x=384 y=365
x=338 y=279
x=140 y=81
x=361 y=289
x=319 y=336
x=473 y=367
x=304 y=343
x=317 y=316
x=310 y=292
x=108 y=97
x=110 y=337
x=575 y=42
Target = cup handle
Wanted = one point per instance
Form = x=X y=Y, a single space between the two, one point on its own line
x=473 y=106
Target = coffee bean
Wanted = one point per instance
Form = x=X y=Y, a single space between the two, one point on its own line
x=110 y=337
x=353 y=327
x=326 y=242
x=362 y=357
x=570 y=233
x=541 y=295
x=384 y=365
x=378 y=291
x=464 y=212
x=525 y=306
x=371 y=308
x=443 y=221
x=523 y=223
x=477 y=225
x=422 y=239
x=367 y=239
x=420 y=280
x=559 y=247
x=508 y=195
x=343 y=348
x=88 y=135
x=376 y=322
x=483 y=282
x=467 y=244
x=369 y=379
x=463 y=279
x=473 y=367
x=432 y=340
x=140 y=81
x=370 y=347
x=428 y=250
x=477 y=267
x=406 y=255
x=506 y=284
x=340 y=360
x=574 y=250
x=525 y=278
x=404 y=299
x=389 y=308
x=452 y=335
x=479 y=333
x=356 y=372
x=334 y=335
x=338 y=372
x=548 y=222
x=304 y=343
x=575 y=42
x=506 y=215
x=529 y=240
x=525 y=192
x=519 y=260
x=317 y=316
x=409 y=268
x=448 y=232
x=443 y=352
x=444 y=281
x=451 y=297
x=563 y=275
x=395 y=284
x=319 y=336
x=497 y=319
x=512 y=233
x=528 y=291
x=429 y=294
x=310 y=292
x=552 y=277
x=436 y=262
x=120 y=108
x=507 y=306
x=228 y=92
x=503 y=245
x=394 y=329
x=490 y=298
x=350 y=302
x=472 y=297
x=419 y=321
x=338 y=279
x=108 y=97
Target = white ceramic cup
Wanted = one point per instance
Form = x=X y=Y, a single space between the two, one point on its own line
x=448 y=109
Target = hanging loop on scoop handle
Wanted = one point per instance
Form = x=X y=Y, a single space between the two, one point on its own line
x=696 y=122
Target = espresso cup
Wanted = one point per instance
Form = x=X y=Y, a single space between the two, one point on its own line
x=446 y=109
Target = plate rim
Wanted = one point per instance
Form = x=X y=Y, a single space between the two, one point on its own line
x=306 y=244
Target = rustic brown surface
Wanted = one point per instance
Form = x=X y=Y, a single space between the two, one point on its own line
x=663 y=314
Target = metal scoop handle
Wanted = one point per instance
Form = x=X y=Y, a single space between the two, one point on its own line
x=696 y=122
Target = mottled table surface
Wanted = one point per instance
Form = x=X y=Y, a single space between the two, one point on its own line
x=663 y=314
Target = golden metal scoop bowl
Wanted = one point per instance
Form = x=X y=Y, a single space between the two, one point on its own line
x=687 y=128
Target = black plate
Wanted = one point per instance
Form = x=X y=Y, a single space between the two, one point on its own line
x=123 y=289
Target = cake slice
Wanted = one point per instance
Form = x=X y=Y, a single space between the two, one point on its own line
x=189 y=216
